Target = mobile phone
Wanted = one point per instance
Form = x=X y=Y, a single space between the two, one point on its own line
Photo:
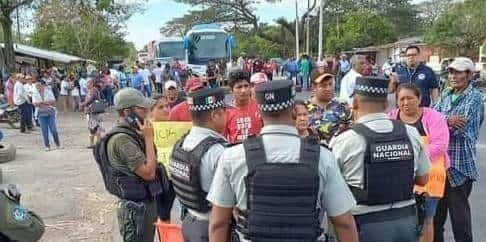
x=132 y=119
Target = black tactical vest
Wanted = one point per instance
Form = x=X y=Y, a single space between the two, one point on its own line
x=281 y=197
x=388 y=166
x=124 y=184
x=185 y=173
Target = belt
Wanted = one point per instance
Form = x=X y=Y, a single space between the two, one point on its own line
x=386 y=215
x=193 y=217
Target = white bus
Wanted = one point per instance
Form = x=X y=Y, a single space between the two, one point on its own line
x=169 y=48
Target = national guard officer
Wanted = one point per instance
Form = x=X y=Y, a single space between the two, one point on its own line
x=194 y=160
x=381 y=160
x=127 y=160
x=17 y=223
x=279 y=183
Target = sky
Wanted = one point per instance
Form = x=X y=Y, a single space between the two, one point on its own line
x=145 y=26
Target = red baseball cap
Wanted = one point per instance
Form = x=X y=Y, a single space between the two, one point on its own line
x=193 y=84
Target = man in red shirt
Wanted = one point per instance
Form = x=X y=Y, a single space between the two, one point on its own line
x=180 y=112
x=242 y=117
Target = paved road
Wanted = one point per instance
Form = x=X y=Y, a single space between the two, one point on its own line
x=478 y=195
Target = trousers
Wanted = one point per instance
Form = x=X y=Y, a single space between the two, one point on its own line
x=455 y=202
x=48 y=125
x=136 y=220
x=25 y=116
x=398 y=224
x=194 y=229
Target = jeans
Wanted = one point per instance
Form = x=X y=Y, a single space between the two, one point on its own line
x=48 y=123
x=456 y=202
x=25 y=116
x=147 y=90
x=159 y=87
x=109 y=95
x=194 y=229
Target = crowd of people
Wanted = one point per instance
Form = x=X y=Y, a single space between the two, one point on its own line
x=371 y=151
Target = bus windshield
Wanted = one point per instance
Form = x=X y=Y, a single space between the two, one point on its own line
x=170 y=50
x=207 y=46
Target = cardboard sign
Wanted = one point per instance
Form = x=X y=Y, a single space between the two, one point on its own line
x=437 y=177
x=166 y=135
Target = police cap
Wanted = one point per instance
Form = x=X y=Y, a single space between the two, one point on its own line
x=371 y=86
x=130 y=97
x=206 y=99
x=275 y=96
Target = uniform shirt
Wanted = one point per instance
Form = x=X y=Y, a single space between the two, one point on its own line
x=20 y=94
x=209 y=161
x=124 y=153
x=462 y=142
x=242 y=122
x=229 y=190
x=349 y=150
x=180 y=112
x=423 y=77
x=347 y=86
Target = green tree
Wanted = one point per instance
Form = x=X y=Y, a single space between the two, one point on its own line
x=460 y=29
x=7 y=7
x=359 y=29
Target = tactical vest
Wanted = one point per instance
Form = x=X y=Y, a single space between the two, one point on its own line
x=185 y=173
x=281 y=197
x=120 y=183
x=388 y=166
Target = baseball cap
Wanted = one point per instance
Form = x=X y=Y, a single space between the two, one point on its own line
x=193 y=84
x=321 y=64
x=170 y=84
x=323 y=77
x=130 y=97
x=258 y=78
x=462 y=64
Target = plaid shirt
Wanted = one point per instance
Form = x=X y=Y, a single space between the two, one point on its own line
x=462 y=144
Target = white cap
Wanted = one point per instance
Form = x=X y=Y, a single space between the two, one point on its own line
x=462 y=64
x=321 y=64
x=170 y=84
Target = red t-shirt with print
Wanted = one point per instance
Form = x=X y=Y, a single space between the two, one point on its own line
x=242 y=122
x=180 y=112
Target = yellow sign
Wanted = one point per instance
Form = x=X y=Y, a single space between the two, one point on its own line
x=166 y=135
x=437 y=176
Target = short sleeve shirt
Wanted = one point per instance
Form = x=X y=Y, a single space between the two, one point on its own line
x=423 y=77
x=242 y=122
x=125 y=153
x=180 y=112
x=229 y=190
x=349 y=149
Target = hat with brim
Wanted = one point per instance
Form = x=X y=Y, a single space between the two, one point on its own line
x=462 y=64
x=323 y=77
x=130 y=97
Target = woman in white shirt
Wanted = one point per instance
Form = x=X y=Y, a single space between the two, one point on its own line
x=43 y=99
x=64 y=94
x=75 y=94
x=29 y=87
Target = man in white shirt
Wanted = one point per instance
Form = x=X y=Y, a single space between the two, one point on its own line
x=21 y=99
x=349 y=80
x=158 y=71
x=147 y=88
x=83 y=84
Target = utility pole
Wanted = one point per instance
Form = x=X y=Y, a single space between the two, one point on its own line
x=18 y=24
x=307 y=20
x=321 y=19
x=296 y=31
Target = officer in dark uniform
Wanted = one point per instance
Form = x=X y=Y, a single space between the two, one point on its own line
x=381 y=160
x=279 y=183
x=128 y=164
x=195 y=158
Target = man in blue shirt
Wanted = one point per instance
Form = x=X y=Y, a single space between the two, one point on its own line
x=137 y=79
x=460 y=104
x=419 y=74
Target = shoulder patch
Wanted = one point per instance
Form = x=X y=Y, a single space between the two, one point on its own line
x=19 y=213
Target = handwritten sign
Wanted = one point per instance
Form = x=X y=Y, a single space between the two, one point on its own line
x=166 y=135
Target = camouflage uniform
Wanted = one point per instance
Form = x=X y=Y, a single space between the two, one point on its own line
x=330 y=121
x=136 y=219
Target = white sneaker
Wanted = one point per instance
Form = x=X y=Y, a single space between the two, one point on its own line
x=47 y=149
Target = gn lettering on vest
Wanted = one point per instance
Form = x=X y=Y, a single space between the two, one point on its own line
x=180 y=170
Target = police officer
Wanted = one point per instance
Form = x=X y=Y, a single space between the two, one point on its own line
x=17 y=223
x=126 y=157
x=278 y=183
x=194 y=160
x=381 y=160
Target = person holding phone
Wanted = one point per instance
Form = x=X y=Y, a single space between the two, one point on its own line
x=461 y=105
x=127 y=159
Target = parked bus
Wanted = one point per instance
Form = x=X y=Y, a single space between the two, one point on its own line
x=169 y=48
x=205 y=42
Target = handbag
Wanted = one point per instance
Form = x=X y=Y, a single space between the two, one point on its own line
x=97 y=107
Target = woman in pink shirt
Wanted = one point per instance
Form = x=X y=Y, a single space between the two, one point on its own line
x=435 y=136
